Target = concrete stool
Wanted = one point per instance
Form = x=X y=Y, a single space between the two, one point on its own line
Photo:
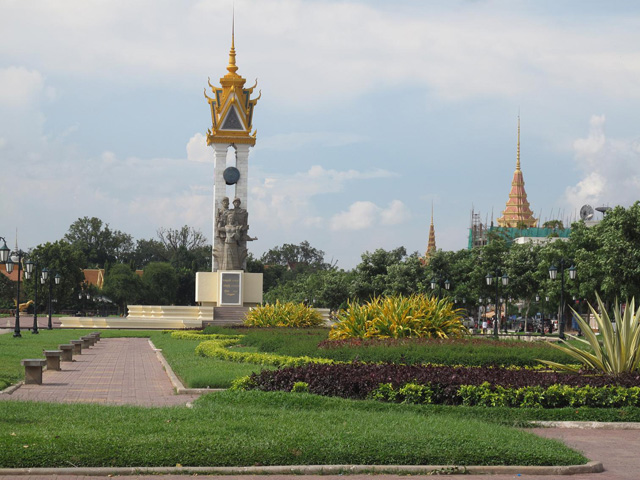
x=96 y=335
x=53 y=359
x=67 y=353
x=86 y=342
x=77 y=346
x=33 y=370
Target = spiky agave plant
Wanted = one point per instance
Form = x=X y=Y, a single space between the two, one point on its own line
x=616 y=351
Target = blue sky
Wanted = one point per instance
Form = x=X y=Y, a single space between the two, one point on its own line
x=370 y=112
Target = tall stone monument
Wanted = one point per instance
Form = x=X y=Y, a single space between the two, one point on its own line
x=231 y=124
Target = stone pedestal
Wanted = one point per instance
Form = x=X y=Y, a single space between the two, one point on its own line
x=232 y=288
x=53 y=359
x=77 y=346
x=67 y=352
x=33 y=370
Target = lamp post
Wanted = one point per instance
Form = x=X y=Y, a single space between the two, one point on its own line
x=553 y=273
x=505 y=282
x=546 y=307
x=436 y=282
x=44 y=278
x=16 y=258
x=29 y=266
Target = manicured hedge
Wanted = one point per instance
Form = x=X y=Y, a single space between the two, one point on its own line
x=216 y=349
x=361 y=380
x=485 y=395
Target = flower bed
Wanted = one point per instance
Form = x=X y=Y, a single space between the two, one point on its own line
x=456 y=385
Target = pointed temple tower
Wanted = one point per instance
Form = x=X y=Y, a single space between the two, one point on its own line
x=231 y=108
x=517 y=213
x=431 y=246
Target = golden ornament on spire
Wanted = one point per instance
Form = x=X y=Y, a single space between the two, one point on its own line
x=517 y=213
x=231 y=105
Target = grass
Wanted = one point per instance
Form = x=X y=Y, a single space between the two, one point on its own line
x=468 y=351
x=258 y=428
x=196 y=371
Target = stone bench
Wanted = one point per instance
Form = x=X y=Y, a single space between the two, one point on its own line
x=53 y=359
x=67 y=352
x=77 y=346
x=95 y=335
x=33 y=370
x=86 y=342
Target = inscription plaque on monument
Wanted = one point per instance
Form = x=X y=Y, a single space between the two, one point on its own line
x=230 y=288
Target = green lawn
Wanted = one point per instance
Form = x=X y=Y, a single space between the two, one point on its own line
x=196 y=371
x=258 y=428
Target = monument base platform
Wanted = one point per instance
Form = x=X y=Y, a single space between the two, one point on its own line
x=229 y=288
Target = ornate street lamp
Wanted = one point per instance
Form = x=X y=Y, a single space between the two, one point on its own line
x=56 y=279
x=505 y=282
x=16 y=259
x=553 y=273
x=30 y=266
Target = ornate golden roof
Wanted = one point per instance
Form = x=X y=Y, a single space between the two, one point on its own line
x=231 y=106
x=517 y=213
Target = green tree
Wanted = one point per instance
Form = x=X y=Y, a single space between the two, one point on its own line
x=122 y=286
x=160 y=282
x=7 y=292
x=297 y=258
x=61 y=258
x=371 y=274
x=98 y=243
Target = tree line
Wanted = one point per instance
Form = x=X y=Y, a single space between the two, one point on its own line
x=606 y=257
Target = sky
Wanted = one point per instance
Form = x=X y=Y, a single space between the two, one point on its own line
x=371 y=112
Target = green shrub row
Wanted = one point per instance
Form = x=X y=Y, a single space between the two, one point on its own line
x=215 y=349
x=185 y=335
x=485 y=395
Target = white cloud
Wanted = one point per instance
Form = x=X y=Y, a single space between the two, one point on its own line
x=197 y=149
x=21 y=88
x=395 y=214
x=360 y=215
x=610 y=169
x=323 y=53
x=298 y=140
x=286 y=200
x=363 y=215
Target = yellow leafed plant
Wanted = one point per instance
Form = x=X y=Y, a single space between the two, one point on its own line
x=289 y=314
x=399 y=317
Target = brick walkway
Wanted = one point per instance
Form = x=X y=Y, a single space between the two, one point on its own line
x=114 y=371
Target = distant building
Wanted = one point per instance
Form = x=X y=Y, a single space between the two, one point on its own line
x=517 y=223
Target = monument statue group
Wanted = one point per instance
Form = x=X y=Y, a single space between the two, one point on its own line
x=232 y=227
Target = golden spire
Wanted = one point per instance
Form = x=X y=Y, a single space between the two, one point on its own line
x=517 y=213
x=232 y=68
x=518 y=157
x=431 y=247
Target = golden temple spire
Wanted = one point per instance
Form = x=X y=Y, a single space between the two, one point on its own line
x=232 y=68
x=517 y=213
x=518 y=157
x=431 y=246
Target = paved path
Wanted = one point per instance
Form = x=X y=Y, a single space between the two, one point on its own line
x=115 y=371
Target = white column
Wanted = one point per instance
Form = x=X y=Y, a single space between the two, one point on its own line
x=219 y=192
x=242 y=164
